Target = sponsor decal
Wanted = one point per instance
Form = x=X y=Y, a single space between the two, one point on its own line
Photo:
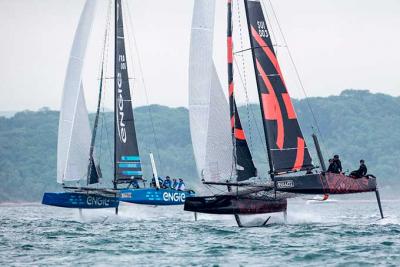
x=175 y=197
x=126 y=195
x=97 y=201
x=120 y=101
x=285 y=184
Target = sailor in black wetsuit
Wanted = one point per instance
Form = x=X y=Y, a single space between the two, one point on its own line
x=332 y=166
x=362 y=170
x=338 y=164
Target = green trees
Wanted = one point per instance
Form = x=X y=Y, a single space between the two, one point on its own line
x=356 y=124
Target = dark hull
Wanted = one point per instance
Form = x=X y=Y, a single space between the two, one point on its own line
x=80 y=200
x=328 y=183
x=231 y=204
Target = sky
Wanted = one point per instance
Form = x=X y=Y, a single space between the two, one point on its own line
x=336 y=44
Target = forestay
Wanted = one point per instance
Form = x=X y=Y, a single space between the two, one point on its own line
x=208 y=108
x=74 y=130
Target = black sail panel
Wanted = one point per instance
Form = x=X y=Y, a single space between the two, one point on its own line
x=245 y=168
x=127 y=159
x=287 y=147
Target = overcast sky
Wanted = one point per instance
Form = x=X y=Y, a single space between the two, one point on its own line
x=336 y=44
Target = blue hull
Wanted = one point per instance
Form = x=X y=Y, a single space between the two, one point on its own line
x=79 y=200
x=153 y=196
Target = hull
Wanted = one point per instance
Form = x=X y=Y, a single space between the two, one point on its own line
x=327 y=183
x=231 y=204
x=153 y=196
x=80 y=200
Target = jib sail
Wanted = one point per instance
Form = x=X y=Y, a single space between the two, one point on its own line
x=245 y=168
x=285 y=142
x=127 y=159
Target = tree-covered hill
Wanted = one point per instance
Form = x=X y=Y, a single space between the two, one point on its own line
x=355 y=125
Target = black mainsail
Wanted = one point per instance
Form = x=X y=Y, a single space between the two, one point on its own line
x=286 y=146
x=245 y=168
x=127 y=159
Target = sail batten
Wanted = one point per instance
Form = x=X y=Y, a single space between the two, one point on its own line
x=286 y=146
x=127 y=162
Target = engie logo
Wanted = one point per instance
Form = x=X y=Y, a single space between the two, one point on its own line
x=175 y=197
x=285 y=184
x=120 y=102
x=97 y=201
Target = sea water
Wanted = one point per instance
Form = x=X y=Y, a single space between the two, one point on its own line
x=343 y=233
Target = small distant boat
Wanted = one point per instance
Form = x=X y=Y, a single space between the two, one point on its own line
x=76 y=160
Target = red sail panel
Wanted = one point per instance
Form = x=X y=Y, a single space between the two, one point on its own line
x=285 y=141
x=245 y=168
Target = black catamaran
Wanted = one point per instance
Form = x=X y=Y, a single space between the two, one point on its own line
x=290 y=165
x=288 y=152
x=76 y=142
x=257 y=198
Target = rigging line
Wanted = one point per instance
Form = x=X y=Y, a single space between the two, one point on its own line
x=103 y=112
x=274 y=36
x=296 y=70
x=149 y=109
x=111 y=157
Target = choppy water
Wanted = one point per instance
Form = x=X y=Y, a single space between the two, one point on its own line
x=340 y=234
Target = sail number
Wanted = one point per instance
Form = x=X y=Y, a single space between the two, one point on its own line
x=262 y=29
x=121 y=59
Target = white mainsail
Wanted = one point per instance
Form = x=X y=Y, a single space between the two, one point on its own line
x=74 y=129
x=208 y=107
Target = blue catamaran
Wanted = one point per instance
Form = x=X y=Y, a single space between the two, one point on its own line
x=76 y=160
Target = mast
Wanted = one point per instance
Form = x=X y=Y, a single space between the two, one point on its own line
x=115 y=89
x=271 y=166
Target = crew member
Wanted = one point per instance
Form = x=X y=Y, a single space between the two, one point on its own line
x=167 y=183
x=181 y=185
x=160 y=182
x=174 y=184
x=135 y=184
x=153 y=182
x=362 y=170
x=332 y=166
x=338 y=163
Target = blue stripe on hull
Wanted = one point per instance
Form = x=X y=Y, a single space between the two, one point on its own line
x=152 y=196
x=79 y=200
